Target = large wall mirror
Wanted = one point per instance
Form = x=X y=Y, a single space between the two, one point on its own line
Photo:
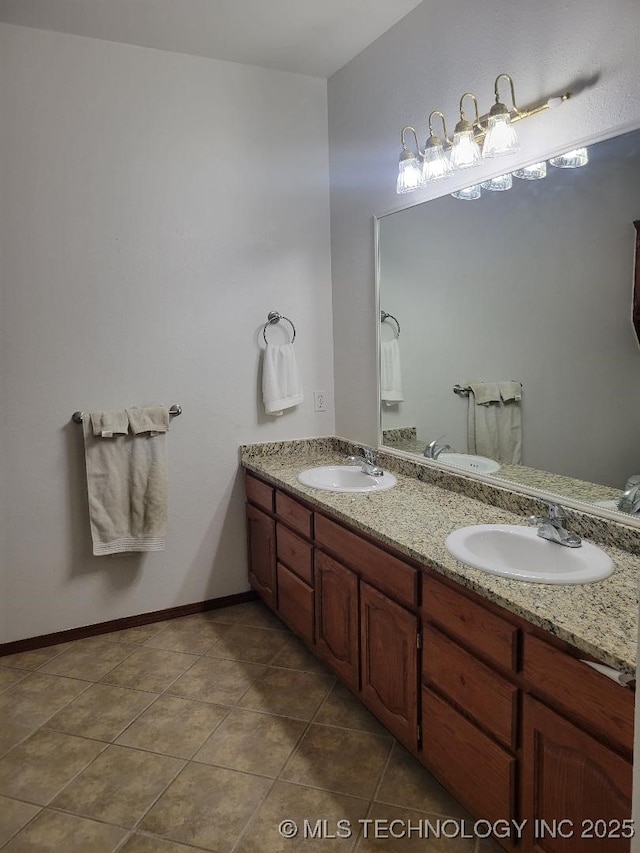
x=533 y=285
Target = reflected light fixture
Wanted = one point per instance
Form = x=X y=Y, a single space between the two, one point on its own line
x=534 y=172
x=494 y=131
x=571 y=160
x=499 y=184
x=468 y=193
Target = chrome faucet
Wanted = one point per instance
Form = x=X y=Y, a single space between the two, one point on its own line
x=433 y=449
x=629 y=500
x=367 y=460
x=550 y=527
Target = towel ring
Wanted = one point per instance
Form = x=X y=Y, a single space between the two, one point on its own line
x=275 y=317
x=384 y=316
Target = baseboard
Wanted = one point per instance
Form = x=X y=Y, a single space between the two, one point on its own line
x=127 y=622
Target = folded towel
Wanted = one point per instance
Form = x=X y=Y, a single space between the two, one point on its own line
x=510 y=390
x=390 y=372
x=127 y=491
x=108 y=424
x=281 y=385
x=154 y=418
x=485 y=392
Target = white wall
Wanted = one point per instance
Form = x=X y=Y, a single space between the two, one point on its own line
x=427 y=61
x=156 y=207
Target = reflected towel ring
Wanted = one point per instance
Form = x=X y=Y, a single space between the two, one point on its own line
x=275 y=317
x=384 y=316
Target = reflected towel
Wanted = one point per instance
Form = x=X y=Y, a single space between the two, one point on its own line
x=390 y=372
x=127 y=490
x=494 y=422
x=281 y=384
x=108 y=424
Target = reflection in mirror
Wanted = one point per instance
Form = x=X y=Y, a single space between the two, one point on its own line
x=528 y=289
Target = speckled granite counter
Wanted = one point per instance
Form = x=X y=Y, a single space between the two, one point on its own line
x=415 y=517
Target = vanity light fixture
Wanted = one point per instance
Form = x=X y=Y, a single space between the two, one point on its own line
x=571 y=160
x=494 y=131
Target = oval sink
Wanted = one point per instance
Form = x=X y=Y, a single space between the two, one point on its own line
x=345 y=478
x=470 y=462
x=519 y=553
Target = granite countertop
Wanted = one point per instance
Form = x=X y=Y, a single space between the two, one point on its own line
x=415 y=518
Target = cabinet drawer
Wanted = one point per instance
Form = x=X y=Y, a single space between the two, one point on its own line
x=258 y=492
x=472 y=766
x=294 y=514
x=486 y=696
x=295 y=603
x=294 y=552
x=384 y=571
x=474 y=625
x=602 y=705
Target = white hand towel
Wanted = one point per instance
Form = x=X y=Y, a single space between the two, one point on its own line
x=494 y=424
x=127 y=490
x=281 y=384
x=390 y=372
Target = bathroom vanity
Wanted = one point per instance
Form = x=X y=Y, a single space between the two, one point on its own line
x=499 y=707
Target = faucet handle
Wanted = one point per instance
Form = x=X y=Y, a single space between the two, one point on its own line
x=368 y=454
x=556 y=512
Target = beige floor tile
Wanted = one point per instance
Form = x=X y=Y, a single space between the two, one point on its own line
x=340 y=760
x=140 y=843
x=34 y=658
x=88 y=659
x=207 y=806
x=37 y=769
x=191 y=638
x=150 y=669
x=300 y=804
x=288 y=692
x=295 y=655
x=119 y=786
x=53 y=832
x=13 y=816
x=254 y=614
x=37 y=697
x=9 y=677
x=407 y=783
x=11 y=734
x=217 y=680
x=174 y=726
x=402 y=830
x=101 y=712
x=341 y=708
x=259 y=645
x=255 y=743
x=137 y=635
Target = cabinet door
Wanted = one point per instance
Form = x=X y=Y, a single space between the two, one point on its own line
x=388 y=639
x=261 y=538
x=575 y=784
x=337 y=617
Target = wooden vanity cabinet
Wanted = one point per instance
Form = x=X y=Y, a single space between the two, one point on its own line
x=505 y=716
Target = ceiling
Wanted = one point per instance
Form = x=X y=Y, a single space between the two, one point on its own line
x=315 y=37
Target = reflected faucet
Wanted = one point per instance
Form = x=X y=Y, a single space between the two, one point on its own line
x=629 y=500
x=550 y=527
x=433 y=449
x=367 y=460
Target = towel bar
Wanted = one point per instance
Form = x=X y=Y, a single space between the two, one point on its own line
x=174 y=410
x=464 y=392
x=386 y=316
x=275 y=317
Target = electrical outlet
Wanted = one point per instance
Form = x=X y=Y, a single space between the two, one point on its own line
x=319 y=401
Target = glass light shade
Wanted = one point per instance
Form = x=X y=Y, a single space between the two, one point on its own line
x=435 y=164
x=499 y=184
x=409 y=174
x=571 y=160
x=468 y=193
x=534 y=172
x=465 y=151
x=501 y=137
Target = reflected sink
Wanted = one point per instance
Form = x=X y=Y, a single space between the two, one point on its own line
x=345 y=478
x=470 y=462
x=517 y=552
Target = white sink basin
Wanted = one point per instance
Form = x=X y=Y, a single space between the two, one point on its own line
x=345 y=478
x=518 y=552
x=469 y=462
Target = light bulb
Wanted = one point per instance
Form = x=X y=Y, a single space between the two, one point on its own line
x=409 y=173
x=465 y=151
x=501 y=137
x=435 y=165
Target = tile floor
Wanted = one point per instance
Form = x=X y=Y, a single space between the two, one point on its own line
x=201 y=733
